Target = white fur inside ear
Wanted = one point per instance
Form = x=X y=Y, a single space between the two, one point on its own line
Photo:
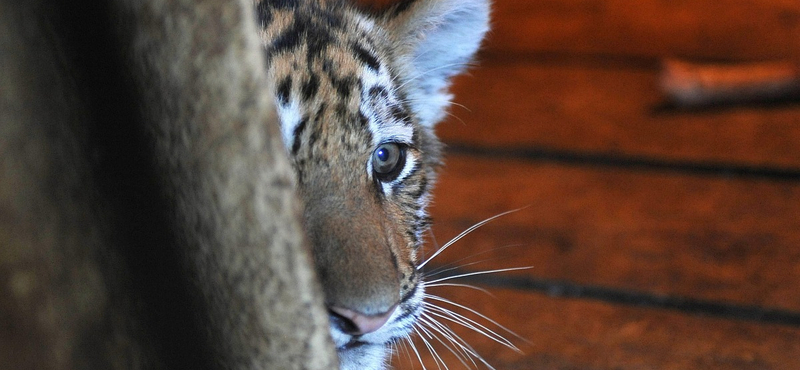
x=439 y=38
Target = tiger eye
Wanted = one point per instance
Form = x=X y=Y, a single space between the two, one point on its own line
x=388 y=160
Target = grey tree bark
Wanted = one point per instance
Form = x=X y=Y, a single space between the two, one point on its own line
x=147 y=209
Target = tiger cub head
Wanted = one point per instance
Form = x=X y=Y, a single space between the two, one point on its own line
x=358 y=94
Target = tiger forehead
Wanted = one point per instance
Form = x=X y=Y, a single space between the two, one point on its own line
x=331 y=75
x=319 y=28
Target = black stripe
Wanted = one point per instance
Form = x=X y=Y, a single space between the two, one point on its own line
x=318 y=38
x=312 y=139
x=283 y=4
x=320 y=112
x=285 y=90
x=395 y=259
x=318 y=119
x=344 y=86
x=362 y=119
x=332 y=19
x=310 y=87
x=400 y=115
x=422 y=188
x=378 y=91
x=366 y=57
x=563 y=289
x=298 y=132
x=263 y=14
x=288 y=40
x=700 y=168
x=402 y=7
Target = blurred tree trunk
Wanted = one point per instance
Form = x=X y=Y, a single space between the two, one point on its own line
x=147 y=210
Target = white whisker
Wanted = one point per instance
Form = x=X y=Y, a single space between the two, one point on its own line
x=462 y=106
x=451 y=267
x=416 y=100
x=464 y=233
x=402 y=344
x=455 y=264
x=456 y=117
x=465 y=352
x=440 y=299
x=433 y=242
x=474 y=273
x=471 y=353
x=473 y=325
x=456 y=351
x=414 y=348
x=432 y=335
x=432 y=351
x=430 y=327
x=461 y=286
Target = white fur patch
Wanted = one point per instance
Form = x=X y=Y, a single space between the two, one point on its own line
x=290 y=117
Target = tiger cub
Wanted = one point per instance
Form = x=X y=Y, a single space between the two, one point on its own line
x=358 y=94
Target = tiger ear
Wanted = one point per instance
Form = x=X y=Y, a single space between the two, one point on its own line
x=435 y=40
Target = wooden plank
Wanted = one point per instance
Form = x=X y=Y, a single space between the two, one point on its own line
x=602 y=110
x=716 y=239
x=729 y=29
x=574 y=334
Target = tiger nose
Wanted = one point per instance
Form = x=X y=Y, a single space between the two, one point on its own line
x=356 y=323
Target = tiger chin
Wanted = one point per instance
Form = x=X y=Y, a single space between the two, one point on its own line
x=358 y=93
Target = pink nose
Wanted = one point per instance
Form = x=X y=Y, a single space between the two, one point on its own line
x=363 y=324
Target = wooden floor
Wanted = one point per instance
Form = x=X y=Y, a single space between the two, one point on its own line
x=658 y=239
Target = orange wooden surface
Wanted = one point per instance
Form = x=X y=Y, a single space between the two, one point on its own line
x=589 y=108
x=658 y=239
x=568 y=334
x=713 y=29
x=730 y=240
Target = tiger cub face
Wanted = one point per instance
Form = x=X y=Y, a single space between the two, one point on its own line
x=358 y=94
